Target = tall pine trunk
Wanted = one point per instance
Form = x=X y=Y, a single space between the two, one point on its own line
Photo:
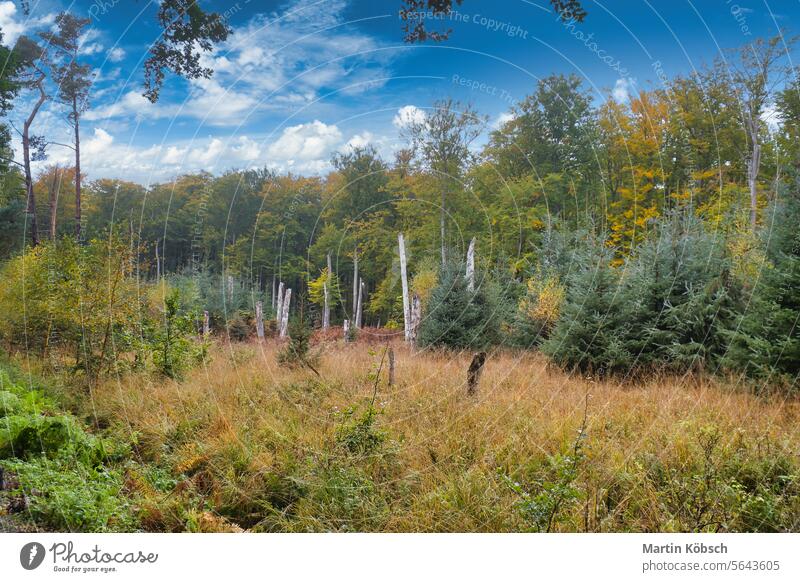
x=76 y=115
x=26 y=154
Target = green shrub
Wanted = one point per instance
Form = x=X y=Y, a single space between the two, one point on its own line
x=457 y=318
x=175 y=346
x=68 y=495
x=357 y=434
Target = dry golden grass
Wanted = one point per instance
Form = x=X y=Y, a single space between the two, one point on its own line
x=256 y=444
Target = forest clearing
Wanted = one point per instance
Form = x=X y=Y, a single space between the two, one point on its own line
x=322 y=267
x=246 y=444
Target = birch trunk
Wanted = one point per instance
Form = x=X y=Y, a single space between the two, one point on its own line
x=753 y=167
x=358 y=309
x=346 y=327
x=326 y=313
x=279 y=306
x=206 y=324
x=260 y=319
x=471 y=266
x=416 y=317
x=285 y=313
x=274 y=290
x=355 y=282
x=404 y=278
x=230 y=289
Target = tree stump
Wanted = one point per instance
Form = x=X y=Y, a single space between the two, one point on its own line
x=474 y=372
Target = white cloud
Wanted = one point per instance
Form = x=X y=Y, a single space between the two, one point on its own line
x=359 y=140
x=131 y=104
x=116 y=54
x=247 y=150
x=304 y=143
x=99 y=143
x=502 y=119
x=12 y=27
x=622 y=90
x=408 y=115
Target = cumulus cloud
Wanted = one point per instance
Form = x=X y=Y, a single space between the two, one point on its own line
x=13 y=24
x=308 y=142
x=622 y=90
x=408 y=115
x=116 y=54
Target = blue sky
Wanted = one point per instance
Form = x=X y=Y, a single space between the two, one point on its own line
x=302 y=79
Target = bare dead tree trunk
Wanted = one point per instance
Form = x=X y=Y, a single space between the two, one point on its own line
x=206 y=324
x=230 y=289
x=346 y=328
x=274 y=291
x=279 y=306
x=416 y=317
x=753 y=168
x=285 y=313
x=358 y=308
x=355 y=281
x=391 y=367
x=26 y=154
x=260 y=320
x=326 y=313
x=474 y=372
x=78 y=218
x=404 y=279
x=471 y=266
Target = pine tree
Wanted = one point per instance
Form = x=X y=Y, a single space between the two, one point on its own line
x=768 y=341
x=458 y=318
x=590 y=333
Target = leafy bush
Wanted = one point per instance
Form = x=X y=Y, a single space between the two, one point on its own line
x=358 y=434
x=79 y=297
x=174 y=344
x=68 y=495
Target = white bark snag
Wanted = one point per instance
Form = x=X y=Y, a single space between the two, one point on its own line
x=285 y=313
x=279 y=306
x=326 y=313
x=404 y=278
x=358 y=308
x=206 y=324
x=260 y=319
x=346 y=327
x=355 y=282
x=415 y=318
x=753 y=166
x=274 y=291
x=230 y=288
x=471 y=266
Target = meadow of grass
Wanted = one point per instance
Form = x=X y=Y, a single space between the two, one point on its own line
x=244 y=443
